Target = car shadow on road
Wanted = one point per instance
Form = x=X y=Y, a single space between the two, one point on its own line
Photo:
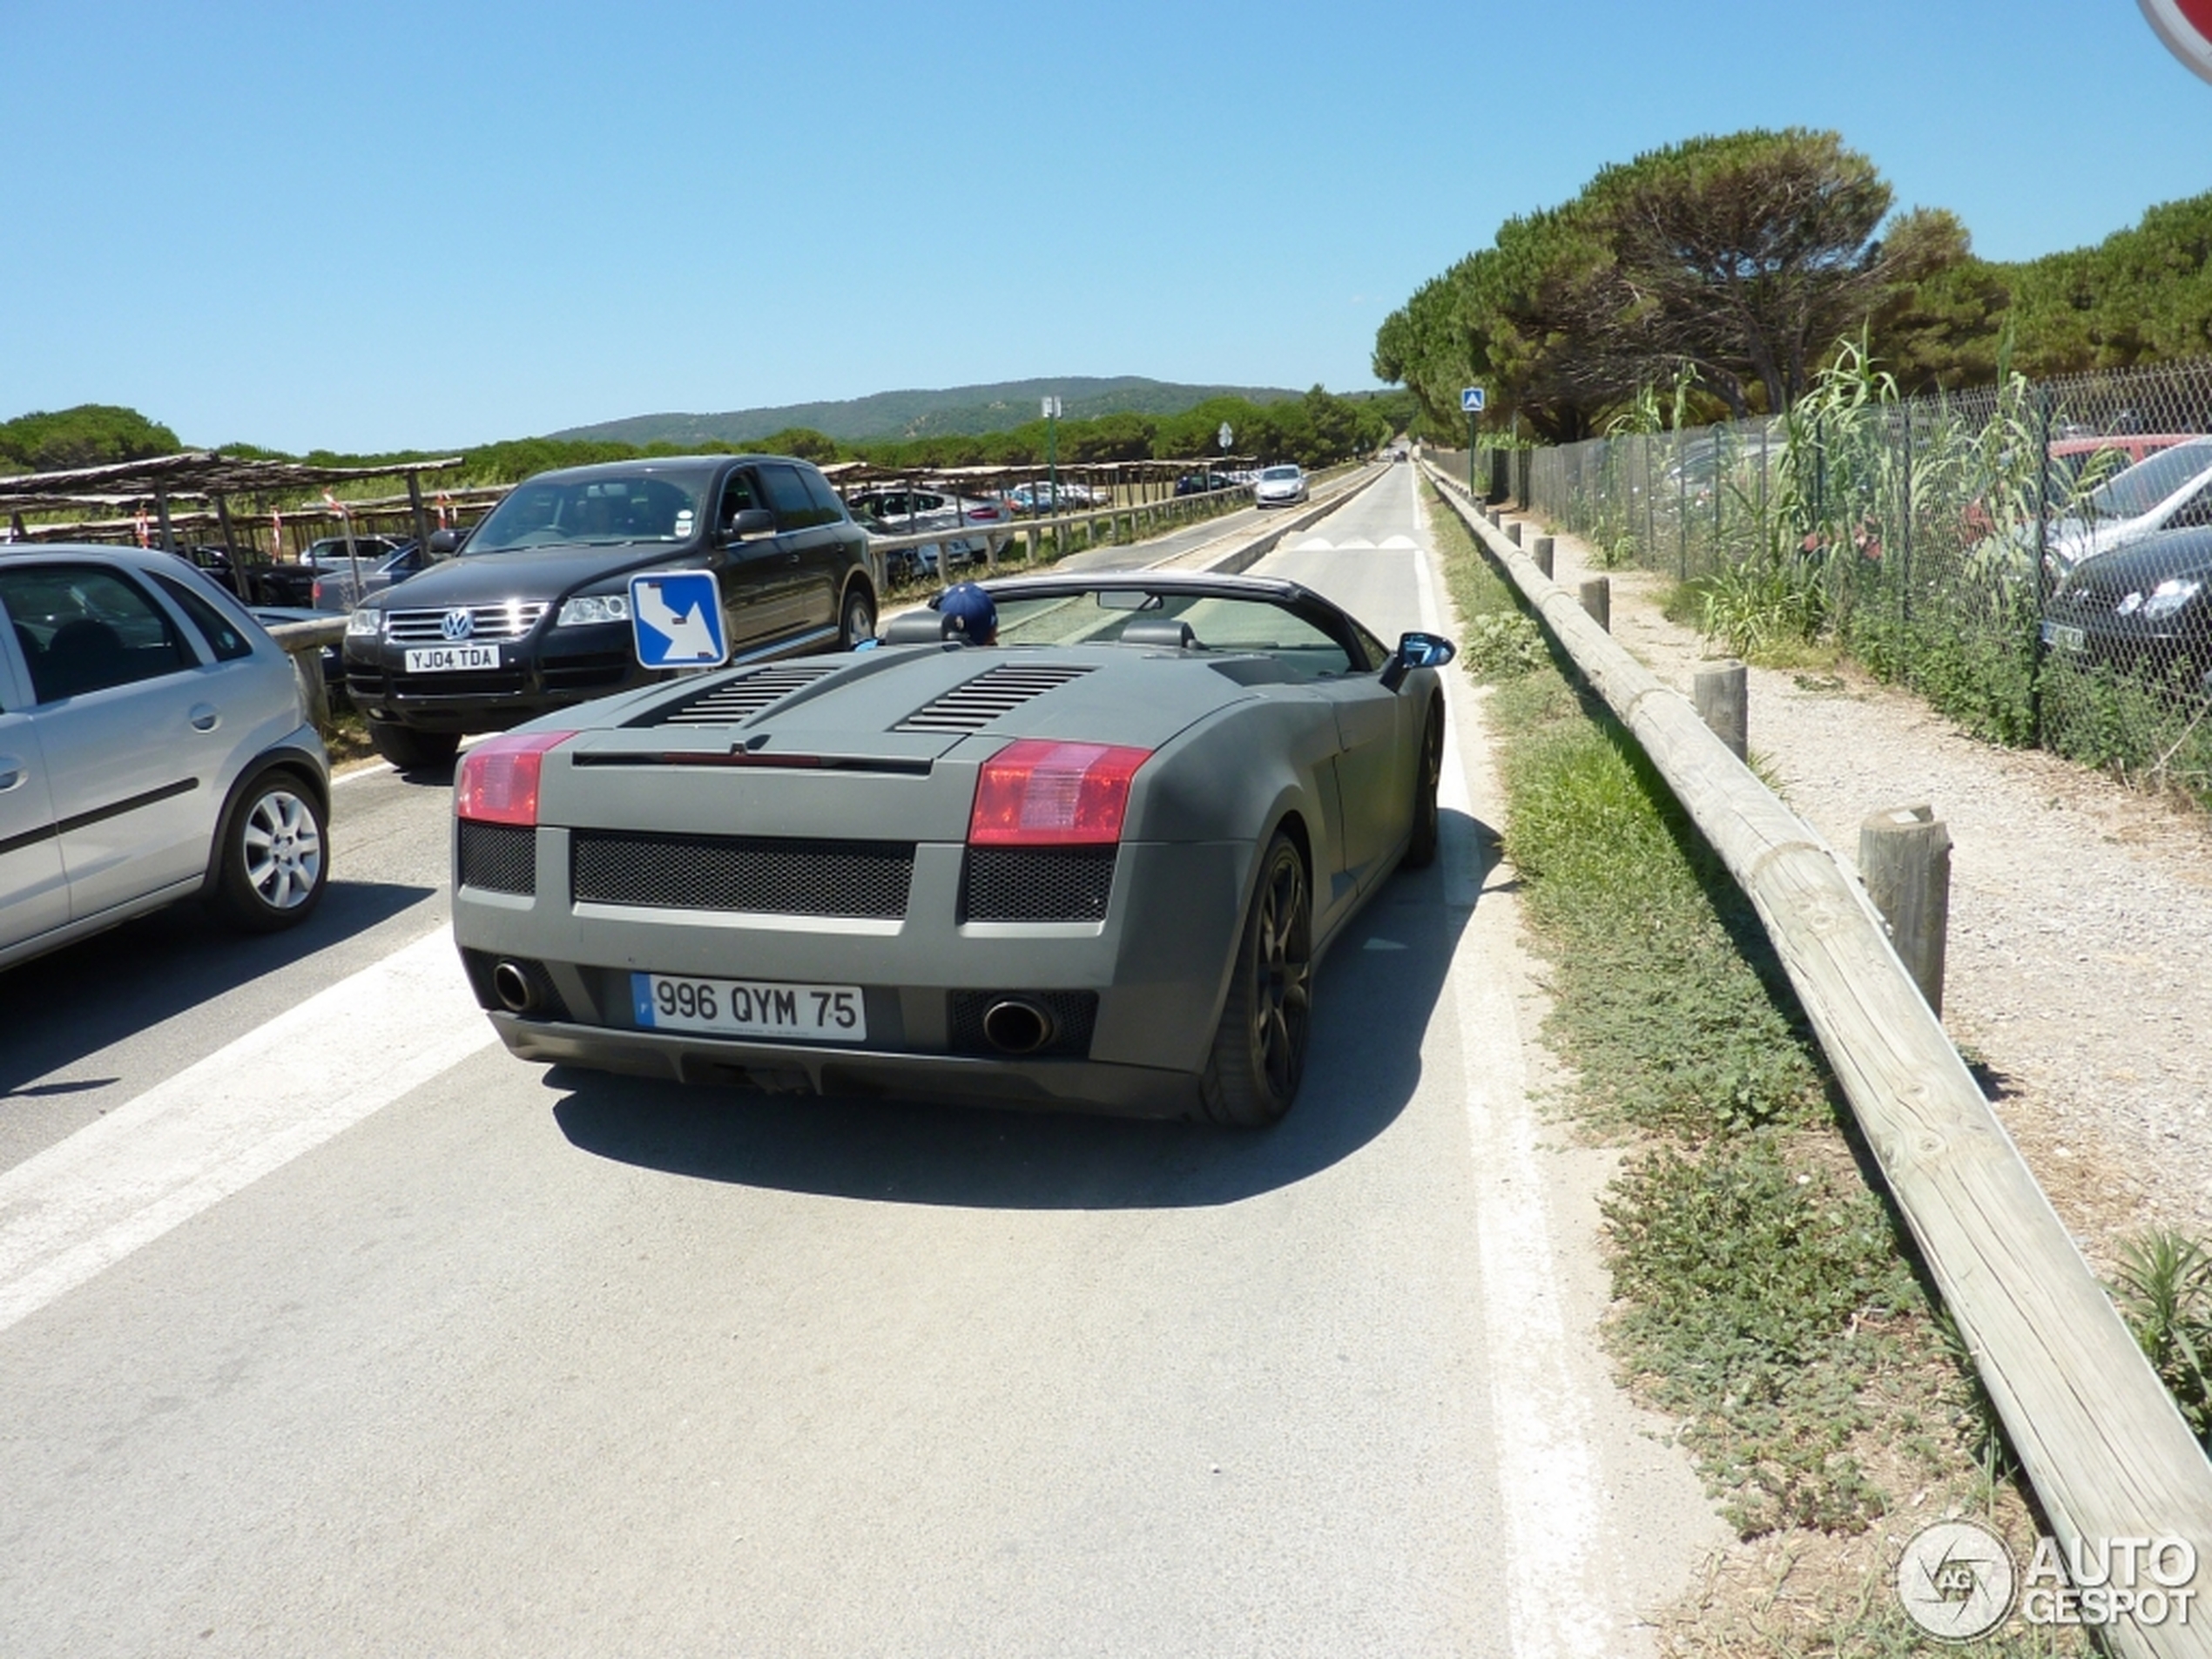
x=98 y=992
x=1375 y=997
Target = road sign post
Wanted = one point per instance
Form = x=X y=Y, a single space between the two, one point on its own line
x=676 y=619
x=1471 y=400
x=1052 y=453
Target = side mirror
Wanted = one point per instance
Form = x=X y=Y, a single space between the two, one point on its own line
x=1417 y=651
x=445 y=543
x=749 y=521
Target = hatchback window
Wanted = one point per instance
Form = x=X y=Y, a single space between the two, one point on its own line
x=84 y=628
x=225 y=637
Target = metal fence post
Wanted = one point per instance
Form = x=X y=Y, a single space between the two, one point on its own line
x=2038 y=655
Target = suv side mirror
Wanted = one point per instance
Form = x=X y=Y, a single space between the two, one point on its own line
x=1416 y=651
x=445 y=543
x=749 y=521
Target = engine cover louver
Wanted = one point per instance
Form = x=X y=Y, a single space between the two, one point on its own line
x=740 y=699
x=974 y=705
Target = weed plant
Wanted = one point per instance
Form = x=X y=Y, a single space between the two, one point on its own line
x=1766 y=1298
x=2164 y=1288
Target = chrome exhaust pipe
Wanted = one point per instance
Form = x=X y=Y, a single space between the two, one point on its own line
x=1015 y=1025
x=512 y=987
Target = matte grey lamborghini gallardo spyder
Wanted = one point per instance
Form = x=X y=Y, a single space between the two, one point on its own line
x=1091 y=866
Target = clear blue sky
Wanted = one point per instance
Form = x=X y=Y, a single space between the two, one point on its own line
x=368 y=226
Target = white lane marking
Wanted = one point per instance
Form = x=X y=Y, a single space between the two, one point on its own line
x=1397 y=544
x=364 y=769
x=1312 y=544
x=283 y=1088
x=1547 y=1480
x=1356 y=544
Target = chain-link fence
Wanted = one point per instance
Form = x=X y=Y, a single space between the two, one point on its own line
x=2035 y=560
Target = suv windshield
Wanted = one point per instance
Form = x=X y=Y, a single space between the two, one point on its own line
x=2135 y=491
x=544 y=512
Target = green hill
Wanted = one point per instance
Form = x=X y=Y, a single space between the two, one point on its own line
x=954 y=412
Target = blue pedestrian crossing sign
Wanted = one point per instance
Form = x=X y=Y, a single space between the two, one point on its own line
x=676 y=619
x=1471 y=400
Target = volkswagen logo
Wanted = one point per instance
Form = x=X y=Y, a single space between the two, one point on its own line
x=457 y=625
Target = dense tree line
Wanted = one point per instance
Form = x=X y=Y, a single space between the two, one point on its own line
x=1316 y=430
x=1735 y=264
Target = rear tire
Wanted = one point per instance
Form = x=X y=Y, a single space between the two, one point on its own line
x=1420 y=849
x=858 y=621
x=1258 y=1056
x=274 y=860
x=413 y=751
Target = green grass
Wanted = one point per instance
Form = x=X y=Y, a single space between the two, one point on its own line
x=1766 y=1296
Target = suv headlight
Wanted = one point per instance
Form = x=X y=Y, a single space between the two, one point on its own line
x=2169 y=596
x=594 y=607
x=364 y=622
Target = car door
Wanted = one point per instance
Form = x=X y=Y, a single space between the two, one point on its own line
x=34 y=893
x=808 y=531
x=133 y=741
x=758 y=573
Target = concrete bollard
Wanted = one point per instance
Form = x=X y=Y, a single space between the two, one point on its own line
x=1597 y=599
x=1513 y=532
x=1542 y=554
x=1720 y=695
x=1904 y=859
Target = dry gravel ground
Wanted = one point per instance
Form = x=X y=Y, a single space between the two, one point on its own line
x=2079 y=974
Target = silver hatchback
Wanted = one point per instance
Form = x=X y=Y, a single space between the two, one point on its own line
x=154 y=744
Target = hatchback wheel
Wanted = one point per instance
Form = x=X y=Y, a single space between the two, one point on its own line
x=274 y=857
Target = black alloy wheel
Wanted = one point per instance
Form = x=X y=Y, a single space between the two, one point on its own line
x=1420 y=847
x=1259 y=1049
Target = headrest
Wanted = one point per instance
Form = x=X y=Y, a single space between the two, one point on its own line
x=1159 y=630
x=923 y=627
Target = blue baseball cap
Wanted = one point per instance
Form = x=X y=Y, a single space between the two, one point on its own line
x=968 y=612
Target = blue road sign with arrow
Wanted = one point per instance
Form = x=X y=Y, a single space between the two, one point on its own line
x=676 y=619
x=1471 y=401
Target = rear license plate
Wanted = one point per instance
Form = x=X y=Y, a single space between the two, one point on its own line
x=748 y=1008
x=444 y=659
x=2065 y=636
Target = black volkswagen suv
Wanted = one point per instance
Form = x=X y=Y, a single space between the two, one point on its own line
x=534 y=612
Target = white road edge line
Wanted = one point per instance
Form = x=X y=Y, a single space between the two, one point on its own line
x=1557 y=1600
x=222 y=1124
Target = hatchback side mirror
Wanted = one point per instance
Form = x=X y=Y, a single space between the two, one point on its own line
x=1416 y=651
x=749 y=521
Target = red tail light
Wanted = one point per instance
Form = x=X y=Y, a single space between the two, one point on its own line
x=1039 y=792
x=498 y=780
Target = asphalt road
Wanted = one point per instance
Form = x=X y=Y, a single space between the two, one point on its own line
x=328 y=1328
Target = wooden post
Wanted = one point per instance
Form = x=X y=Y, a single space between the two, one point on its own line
x=161 y=506
x=422 y=518
x=239 y=584
x=1513 y=532
x=1721 y=696
x=1904 y=859
x=1542 y=554
x=1597 y=600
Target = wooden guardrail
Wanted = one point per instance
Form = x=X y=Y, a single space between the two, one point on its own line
x=2098 y=1436
x=305 y=641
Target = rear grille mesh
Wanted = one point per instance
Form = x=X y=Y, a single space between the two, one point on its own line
x=1037 y=884
x=972 y=706
x=498 y=858
x=740 y=699
x=1074 y=1013
x=792 y=878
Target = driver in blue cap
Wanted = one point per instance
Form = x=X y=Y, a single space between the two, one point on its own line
x=969 y=615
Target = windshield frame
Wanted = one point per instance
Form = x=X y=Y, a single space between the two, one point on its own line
x=569 y=502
